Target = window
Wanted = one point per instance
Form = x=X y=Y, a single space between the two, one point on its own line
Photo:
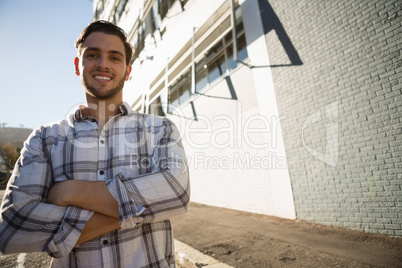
x=120 y=9
x=241 y=48
x=139 y=42
x=200 y=75
x=99 y=9
x=156 y=107
x=150 y=24
x=219 y=59
x=183 y=3
x=164 y=6
x=180 y=91
x=216 y=69
x=213 y=64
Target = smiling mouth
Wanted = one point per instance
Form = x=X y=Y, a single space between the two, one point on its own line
x=104 y=78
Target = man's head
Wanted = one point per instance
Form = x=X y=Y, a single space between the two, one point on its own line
x=103 y=60
x=106 y=28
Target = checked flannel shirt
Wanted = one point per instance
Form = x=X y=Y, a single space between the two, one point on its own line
x=142 y=161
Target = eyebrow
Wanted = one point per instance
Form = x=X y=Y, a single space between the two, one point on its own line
x=110 y=51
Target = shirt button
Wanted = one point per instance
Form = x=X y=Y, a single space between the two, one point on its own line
x=102 y=141
x=105 y=242
x=101 y=172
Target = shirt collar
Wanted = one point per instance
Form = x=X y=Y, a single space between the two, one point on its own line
x=124 y=108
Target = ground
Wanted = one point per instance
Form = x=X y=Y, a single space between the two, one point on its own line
x=243 y=240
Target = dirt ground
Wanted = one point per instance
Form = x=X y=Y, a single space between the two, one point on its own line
x=242 y=239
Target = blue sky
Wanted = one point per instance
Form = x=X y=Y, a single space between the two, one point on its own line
x=38 y=84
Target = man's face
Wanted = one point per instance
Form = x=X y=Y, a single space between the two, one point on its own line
x=102 y=65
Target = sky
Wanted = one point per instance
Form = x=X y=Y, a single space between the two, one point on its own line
x=37 y=80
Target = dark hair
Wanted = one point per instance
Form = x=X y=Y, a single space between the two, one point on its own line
x=107 y=28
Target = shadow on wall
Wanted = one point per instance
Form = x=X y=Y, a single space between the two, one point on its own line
x=270 y=21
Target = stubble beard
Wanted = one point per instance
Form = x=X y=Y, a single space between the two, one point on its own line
x=105 y=95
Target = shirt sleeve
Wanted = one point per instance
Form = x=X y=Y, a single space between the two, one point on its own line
x=27 y=223
x=161 y=194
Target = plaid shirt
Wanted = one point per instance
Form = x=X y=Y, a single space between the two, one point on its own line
x=142 y=161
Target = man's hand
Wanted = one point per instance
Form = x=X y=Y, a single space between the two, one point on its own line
x=98 y=225
x=91 y=195
x=58 y=194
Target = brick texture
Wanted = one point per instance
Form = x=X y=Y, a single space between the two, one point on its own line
x=337 y=73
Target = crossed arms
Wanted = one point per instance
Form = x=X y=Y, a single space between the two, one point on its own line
x=92 y=196
x=38 y=214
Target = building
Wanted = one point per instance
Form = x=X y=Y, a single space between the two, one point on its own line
x=287 y=108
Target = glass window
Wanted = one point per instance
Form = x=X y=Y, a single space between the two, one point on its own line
x=99 y=9
x=156 y=107
x=217 y=68
x=200 y=75
x=242 y=48
x=215 y=58
x=180 y=91
x=164 y=6
x=231 y=62
x=214 y=64
x=241 y=51
x=120 y=9
x=215 y=50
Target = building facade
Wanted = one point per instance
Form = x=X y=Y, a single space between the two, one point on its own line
x=290 y=109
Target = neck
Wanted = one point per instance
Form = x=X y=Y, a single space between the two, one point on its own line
x=102 y=109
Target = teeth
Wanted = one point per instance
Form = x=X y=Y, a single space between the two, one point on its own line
x=102 y=78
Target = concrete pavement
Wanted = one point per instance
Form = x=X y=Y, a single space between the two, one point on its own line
x=188 y=257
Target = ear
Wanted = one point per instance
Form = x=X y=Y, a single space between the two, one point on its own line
x=76 y=66
x=128 y=72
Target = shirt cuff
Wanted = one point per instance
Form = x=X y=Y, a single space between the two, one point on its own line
x=128 y=209
x=70 y=230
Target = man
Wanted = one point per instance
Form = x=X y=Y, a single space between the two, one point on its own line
x=97 y=189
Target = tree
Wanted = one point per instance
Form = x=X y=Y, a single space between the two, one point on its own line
x=10 y=155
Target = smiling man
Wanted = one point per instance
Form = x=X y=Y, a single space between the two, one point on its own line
x=97 y=189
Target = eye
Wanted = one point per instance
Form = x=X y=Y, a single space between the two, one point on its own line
x=116 y=58
x=91 y=56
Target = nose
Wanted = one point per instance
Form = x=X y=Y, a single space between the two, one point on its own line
x=102 y=62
